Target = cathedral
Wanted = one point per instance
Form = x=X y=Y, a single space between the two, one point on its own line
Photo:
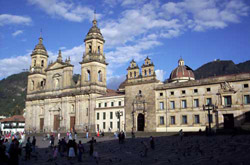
x=56 y=103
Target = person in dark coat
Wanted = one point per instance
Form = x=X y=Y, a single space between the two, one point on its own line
x=91 y=147
x=14 y=152
x=152 y=142
x=28 y=149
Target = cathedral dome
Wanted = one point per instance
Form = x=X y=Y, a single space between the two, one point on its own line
x=94 y=32
x=182 y=73
x=39 y=48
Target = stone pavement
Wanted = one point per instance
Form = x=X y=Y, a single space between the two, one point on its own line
x=193 y=149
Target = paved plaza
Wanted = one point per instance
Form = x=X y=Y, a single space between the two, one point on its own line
x=193 y=149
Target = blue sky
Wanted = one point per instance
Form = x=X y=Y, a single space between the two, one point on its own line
x=198 y=30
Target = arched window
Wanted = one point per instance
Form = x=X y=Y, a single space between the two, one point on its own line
x=149 y=72
x=99 y=50
x=139 y=92
x=90 y=48
x=72 y=109
x=100 y=76
x=131 y=74
x=34 y=62
x=56 y=82
x=89 y=75
x=135 y=73
x=42 y=83
x=145 y=72
x=42 y=63
x=32 y=85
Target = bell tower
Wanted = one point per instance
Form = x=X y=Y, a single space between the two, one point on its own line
x=93 y=65
x=37 y=76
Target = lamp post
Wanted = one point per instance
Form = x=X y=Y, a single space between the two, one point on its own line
x=118 y=115
x=208 y=108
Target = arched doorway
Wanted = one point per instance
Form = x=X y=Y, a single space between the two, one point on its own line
x=140 y=122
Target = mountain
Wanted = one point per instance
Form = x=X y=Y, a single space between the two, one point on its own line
x=219 y=68
x=13 y=94
x=13 y=88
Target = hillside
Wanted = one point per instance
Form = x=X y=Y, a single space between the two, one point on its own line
x=13 y=94
x=219 y=68
x=13 y=88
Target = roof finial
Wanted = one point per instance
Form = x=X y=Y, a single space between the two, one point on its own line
x=41 y=31
x=59 y=57
x=40 y=38
x=94 y=21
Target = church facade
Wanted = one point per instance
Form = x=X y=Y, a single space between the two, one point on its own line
x=142 y=103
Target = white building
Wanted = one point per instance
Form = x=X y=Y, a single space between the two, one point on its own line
x=106 y=112
x=13 y=124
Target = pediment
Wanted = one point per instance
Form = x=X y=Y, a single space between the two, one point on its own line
x=55 y=65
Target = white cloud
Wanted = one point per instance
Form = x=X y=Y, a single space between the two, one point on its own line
x=160 y=74
x=12 y=65
x=16 y=33
x=67 y=10
x=6 y=19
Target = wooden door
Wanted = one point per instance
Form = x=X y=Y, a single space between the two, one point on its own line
x=228 y=121
x=72 y=123
x=56 y=122
x=140 y=122
x=41 y=124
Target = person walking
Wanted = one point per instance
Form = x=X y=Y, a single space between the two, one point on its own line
x=181 y=134
x=80 y=151
x=28 y=149
x=34 y=144
x=152 y=142
x=59 y=135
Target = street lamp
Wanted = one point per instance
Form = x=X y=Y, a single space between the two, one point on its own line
x=208 y=108
x=118 y=115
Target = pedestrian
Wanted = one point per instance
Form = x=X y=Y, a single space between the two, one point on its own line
x=58 y=135
x=28 y=149
x=181 y=134
x=80 y=151
x=52 y=141
x=152 y=142
x=91 y=147
x=55 y=153
x=75 y=135
x=34 y=144
x=71 y=151
x=87 y=134
x=14 y=152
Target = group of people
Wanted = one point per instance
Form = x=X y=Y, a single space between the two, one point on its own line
x=11 y=148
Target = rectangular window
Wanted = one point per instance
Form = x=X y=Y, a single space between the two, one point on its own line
x=161 y=94
x=209 y=101
x=228 y=101
x=111 y=125
x=104 y=115
x=97 y=116
x=246 y=99
x=195 y=90
x=184 y=119
x=97 y=127
x=197 y=119
x=104 y=125
x=112 y=104
x=172 y=93
x=245 y=85
x=161 y=120
x=172 y=120
x=100 y=105
x=172 y=105
x=161 y=105
x=196 y=103
x=120 y=103
x=184 y=103
x=105 y=104
x=111 y=115
x=208 y=89
x=183 y=92
x=210 y=118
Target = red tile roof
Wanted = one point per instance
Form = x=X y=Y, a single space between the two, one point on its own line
x=15 y=118
x=111 y=92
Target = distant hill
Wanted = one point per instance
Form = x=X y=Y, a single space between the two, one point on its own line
x=13 y=88
x=13 y=94
x=219 y=68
